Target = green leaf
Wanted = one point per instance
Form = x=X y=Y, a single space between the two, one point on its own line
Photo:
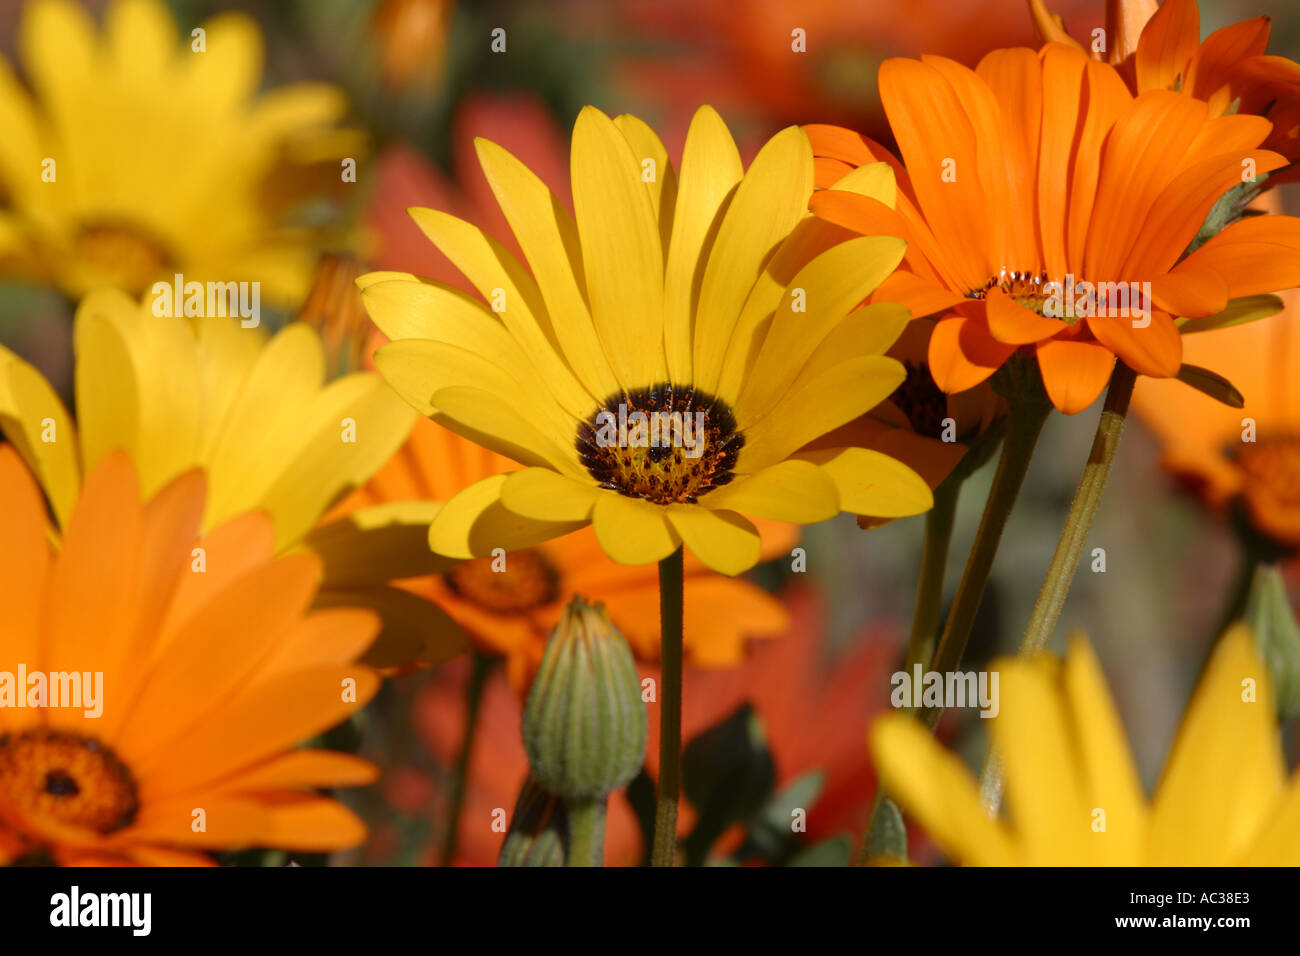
x=771 y=833
x=1212 y=384
x=887 y=842
x=833 y=852
x=1230 y=207
x=727 y=774
x=1270 y=616
x=1247 y=308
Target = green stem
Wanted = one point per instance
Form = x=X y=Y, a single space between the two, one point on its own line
x=1024 y=424
x=1083 y=510
x=934 y=561
x=929 y=601
x=1069 y=549
x=586 y=832
x=481 y=667
x=664 y=852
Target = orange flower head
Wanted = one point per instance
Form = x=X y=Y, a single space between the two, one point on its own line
x=154 y=681
x=1046 y=208
x=1242 y=462
x=1160 y=48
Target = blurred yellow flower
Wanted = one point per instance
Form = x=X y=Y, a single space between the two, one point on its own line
x=253 y=411
x=678 y=343
x=188 y=690
x=1073 y=795
x=134 y=154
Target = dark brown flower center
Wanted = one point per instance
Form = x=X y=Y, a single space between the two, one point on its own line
x=666 y=443
x=67 y=778
x=511 y=584
x=920 y=399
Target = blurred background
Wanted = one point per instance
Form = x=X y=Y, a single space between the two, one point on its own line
x=423 y=80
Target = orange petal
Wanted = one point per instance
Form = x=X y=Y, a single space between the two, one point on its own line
x=1190 y=292
x=1012 y=323
x=1167 y=45
x=963 y=353
x=1222 y=51
x=1074 y=372
x=1155 y=349
x=1256 y=255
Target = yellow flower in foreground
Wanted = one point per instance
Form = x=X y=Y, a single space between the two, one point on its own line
x=1072 y=791
x=254 y=413
x=191 y=689
x=675 y=346
x=135 y=155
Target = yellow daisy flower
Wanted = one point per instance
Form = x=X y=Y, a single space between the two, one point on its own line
x=134 y=153
x=1073 y=794
x=151 y=706
x=666 y=358
x=255 y=414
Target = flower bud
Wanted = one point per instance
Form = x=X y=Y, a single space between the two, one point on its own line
x=585 y=723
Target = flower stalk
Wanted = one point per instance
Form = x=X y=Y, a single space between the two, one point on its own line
x=664 y=852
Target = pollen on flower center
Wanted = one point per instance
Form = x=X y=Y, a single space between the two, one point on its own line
x=920 y=399
x=524 y=581
x=67 y=778
x=664 y=444
x=123 y=254
x=1024 y=288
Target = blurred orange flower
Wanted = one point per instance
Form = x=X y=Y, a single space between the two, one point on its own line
x=1124 y=184
x=1249 y=456
x=204 y=682
x=1161 y=49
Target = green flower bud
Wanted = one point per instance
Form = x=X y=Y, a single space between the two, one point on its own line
x=585 y=723
x=538 y=829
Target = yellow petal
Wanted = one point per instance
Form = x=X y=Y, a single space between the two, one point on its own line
x=794 y=491
x=723 y=540
x=500 y=424
x=385 y=542
x=710 y=170
x=1225 y=772
x=833 y=285
x=817 y=404
x=544 y=495
x=27 y=404
x=632 y=531
x=1041 y=768
x=413 y=630
x=475 y=522
x=872 y=483
x=935 y=787
x=503 y=281
x=771 y=198
x=548 y=237
x=1109 y=774
x=108 y=403
x=621 y=248
x=658 y=176
x=874 y=180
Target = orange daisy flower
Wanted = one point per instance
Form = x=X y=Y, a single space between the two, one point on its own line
x=1160 y=48
x=1046 y=207
x=1244 y=458
x=510 y=603
x=185 y=668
